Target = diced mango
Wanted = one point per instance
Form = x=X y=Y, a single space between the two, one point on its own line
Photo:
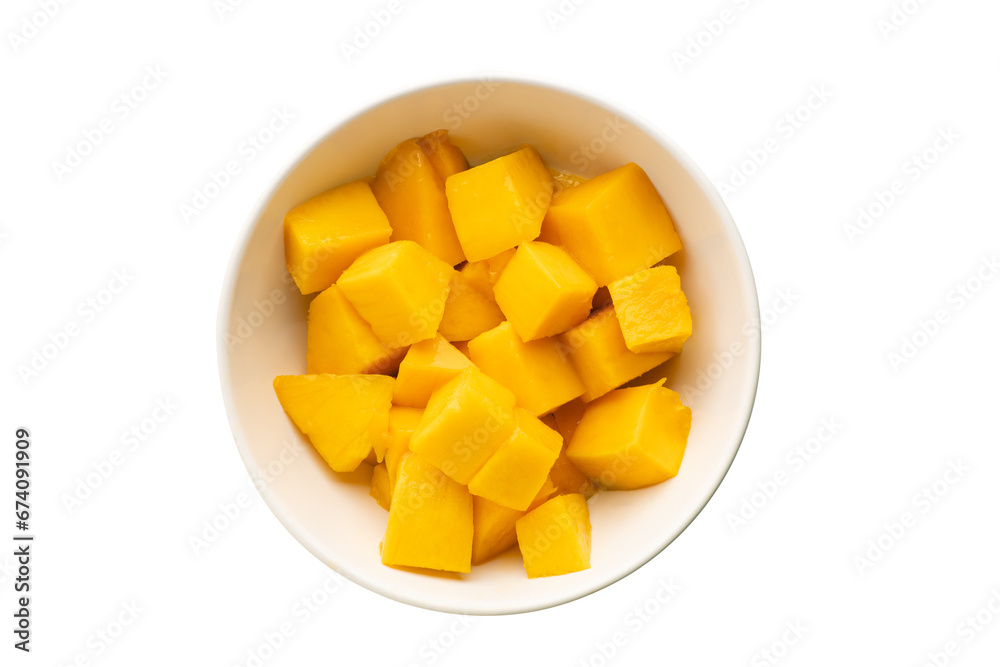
x=598 y=352
x=554 y=538
x=499 y=204
x=445 y=156
x=339 y=341
x=652 y=310
x=345 y=416
x=402 y=423
x=543 y=291
x=513 y=476
x=328 y=232
x=538 y=372
x=497 y=263
x=493 y=525
x=427 y=366
x=465 y=422
x=400 y=289
x=411 y=192
x=613 y=225
x=470 y=309
x=430 y=519
x=380 y=489
x=632 y=437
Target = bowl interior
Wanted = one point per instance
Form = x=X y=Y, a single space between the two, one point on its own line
x=263 y=334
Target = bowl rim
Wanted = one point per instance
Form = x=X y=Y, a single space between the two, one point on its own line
x=290 y=523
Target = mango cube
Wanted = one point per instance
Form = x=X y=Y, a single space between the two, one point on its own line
x=339 y=341
x=470 y=309
x=380 y=488
x=402 y=423
x=465 y=422
x=598 y=352
x=614 y=224
x=554 y=538
x=344 y=416
x=427 y=366
x=543 y=291
x=538 y=372
x=499 y=204
x=400 y=289
x=632 y=437
x=430 y=519
x=445 y=157
x=328 y=232
x=517 y=471
x=493 y=529
x=652 y=310
x=411 y=192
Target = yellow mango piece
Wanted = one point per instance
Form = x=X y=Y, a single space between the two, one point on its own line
x=598 y=352
x=554 y=538
x=380 y=489
x=470 y=309
x=538 y=372
x=344 y=416
x=465 y=422
x=400 y=289
x=543 y=291
x=517 y=471
x=402 y=423
x=445 y=156
x=614 y=224
x=427 y=366
x=411 y=192
x=328 y=232
x=652 y=310
x=497 y=263
x=339 y=341
x=499 y=204
x=632 y=437
x=430 y=519
x=493 y=525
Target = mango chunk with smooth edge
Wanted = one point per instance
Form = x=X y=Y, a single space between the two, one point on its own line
x=380 y=488
x=411 y=192
x=339 y=341
x=493 y=525
x=601 y=359
x=402 y=424
x=614 y=224
x=652 y=310
x=430 y=519
x=427 y=366
x=465 y=422
x=513 y=476
x=400 y=289
x=326 y=233
x=445 y=157
x=632 y=437
x=344 y=416
x=499 y=204
x=543 y=291
x=470 y=309
x=554 y=538
x=538 y=372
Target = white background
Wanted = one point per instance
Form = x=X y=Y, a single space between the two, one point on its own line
x=836 y=305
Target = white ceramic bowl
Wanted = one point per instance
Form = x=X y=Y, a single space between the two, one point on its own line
x=262 y=328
